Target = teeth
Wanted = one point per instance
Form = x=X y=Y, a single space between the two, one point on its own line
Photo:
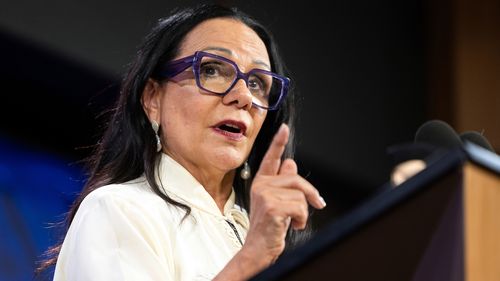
x=232 y=126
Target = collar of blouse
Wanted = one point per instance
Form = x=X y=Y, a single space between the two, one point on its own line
x=180 y=185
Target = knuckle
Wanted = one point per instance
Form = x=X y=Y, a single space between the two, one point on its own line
x=299 y=225
x=297 y=182
x=302 y=197
x=276 y=220
x=304 y=210
x=267 y=206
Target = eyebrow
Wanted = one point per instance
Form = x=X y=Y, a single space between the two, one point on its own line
x=229 y=52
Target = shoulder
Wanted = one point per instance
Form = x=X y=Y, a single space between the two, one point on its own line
x=117 y=230
x=131 y=191
x=133 y=199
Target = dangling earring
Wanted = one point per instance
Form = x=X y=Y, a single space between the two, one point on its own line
x=156 y=127
x=245 y=172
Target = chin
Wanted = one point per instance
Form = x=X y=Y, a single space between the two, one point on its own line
x=228 y=159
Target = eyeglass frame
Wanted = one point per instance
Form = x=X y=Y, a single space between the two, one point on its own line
x=175 y=67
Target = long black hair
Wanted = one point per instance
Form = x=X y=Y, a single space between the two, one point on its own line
x=127 y=149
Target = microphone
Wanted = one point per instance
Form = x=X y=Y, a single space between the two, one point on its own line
x=438 y=134
x=412 y=158
x=476 y=138
x=431 y=137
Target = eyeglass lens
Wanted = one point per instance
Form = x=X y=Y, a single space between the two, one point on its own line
x=217 y=76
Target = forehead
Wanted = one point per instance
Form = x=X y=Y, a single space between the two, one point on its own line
x=227 y=33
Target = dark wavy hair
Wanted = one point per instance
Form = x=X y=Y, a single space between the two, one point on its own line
x=127 y=149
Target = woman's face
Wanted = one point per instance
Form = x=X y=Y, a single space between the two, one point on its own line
x=195 y=124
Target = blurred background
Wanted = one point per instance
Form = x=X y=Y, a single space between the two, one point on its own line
x=369 y=73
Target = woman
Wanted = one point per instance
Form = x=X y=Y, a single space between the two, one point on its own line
x=171 y=194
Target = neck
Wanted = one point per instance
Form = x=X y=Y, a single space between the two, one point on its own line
x=218 y=183
x=219 y=188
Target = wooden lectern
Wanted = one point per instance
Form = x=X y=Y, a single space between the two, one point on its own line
x=442 y=224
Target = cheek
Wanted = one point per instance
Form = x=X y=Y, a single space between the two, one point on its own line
x=185 y=112
x=258 y=116
x=179 y=111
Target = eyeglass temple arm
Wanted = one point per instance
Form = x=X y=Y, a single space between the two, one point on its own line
x=175 y=67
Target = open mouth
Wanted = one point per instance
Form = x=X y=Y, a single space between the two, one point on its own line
x=231 y=128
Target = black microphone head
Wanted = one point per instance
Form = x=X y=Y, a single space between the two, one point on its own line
x=476 y=138
x=438 y=133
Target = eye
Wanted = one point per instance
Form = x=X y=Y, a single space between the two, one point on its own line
x=210 y=69
x=255 y=84
x=258 y=85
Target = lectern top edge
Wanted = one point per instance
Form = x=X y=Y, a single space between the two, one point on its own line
x=483 y=157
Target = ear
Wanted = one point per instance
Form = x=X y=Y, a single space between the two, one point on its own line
x=151 y=100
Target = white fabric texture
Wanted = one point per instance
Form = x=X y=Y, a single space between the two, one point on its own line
x=127 y=232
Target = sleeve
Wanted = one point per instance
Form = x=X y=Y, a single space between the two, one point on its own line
x=114 y=239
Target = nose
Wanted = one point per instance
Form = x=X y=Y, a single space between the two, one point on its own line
x=239 y=95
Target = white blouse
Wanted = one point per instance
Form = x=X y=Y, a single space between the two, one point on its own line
x=127 y=232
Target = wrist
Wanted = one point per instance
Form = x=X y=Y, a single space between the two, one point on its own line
x=252 y=258
x=244 y=265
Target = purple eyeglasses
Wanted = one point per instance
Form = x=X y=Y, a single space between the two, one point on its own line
x=218 y=75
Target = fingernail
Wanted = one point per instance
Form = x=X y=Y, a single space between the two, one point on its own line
x=322 y=201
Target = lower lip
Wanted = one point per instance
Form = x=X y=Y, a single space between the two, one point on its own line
x=229 y=135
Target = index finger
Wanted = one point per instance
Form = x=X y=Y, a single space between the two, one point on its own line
x=271 y=162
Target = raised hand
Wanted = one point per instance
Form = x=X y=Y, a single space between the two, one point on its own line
x=279 y=197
